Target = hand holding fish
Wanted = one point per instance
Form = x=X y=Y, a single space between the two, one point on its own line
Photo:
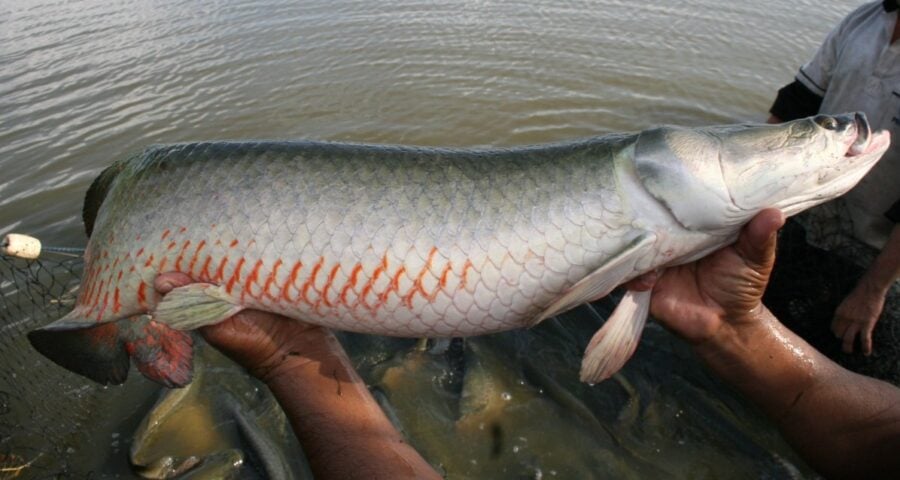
x=713 y=303
x=329 y=407
x=260 y=342
x=844 y=425
x=698 y=299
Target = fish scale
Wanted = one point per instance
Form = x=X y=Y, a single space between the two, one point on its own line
x=418 y=275
x=415 y=242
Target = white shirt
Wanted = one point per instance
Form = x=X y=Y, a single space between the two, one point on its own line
x=858 y=69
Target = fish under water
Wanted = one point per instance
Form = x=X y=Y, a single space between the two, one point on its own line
x=424 y=242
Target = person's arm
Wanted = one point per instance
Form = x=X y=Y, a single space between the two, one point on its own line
x=859 y=311
x=843 y=424
x=343 y=431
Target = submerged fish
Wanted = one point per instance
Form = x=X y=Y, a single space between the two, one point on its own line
x=420 y=242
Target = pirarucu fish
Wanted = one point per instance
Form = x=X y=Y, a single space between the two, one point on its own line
x=424 y=242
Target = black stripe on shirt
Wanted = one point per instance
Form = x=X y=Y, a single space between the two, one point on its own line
x=810 y=80
x=795 y=100
x=893 y=214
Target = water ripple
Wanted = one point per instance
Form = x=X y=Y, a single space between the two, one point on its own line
x=85 y=83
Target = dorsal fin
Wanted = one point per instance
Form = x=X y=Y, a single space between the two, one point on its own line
x=97 y=193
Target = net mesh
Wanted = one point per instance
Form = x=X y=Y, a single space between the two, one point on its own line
x=42 y=409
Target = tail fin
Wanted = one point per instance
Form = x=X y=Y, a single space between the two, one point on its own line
x=95 y=352
x=101 y=351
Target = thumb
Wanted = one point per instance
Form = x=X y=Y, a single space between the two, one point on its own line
x=756 y=244
x=166 y=282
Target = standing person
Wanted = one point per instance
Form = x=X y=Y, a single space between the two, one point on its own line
x=857 y=68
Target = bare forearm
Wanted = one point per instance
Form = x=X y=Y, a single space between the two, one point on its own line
x=342 y=429
x=885 y=270
x=840 y=422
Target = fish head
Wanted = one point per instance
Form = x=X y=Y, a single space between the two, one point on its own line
x=715 y=178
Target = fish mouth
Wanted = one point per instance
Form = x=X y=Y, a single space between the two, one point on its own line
x=866 y=141
x=863 y=149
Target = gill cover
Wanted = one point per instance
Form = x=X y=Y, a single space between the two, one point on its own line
x=680 y=168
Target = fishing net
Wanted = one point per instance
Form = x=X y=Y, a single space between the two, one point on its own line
x=53 y=423
x=32 y=293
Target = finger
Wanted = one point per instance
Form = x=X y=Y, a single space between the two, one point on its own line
x=234 y=333
x=644 y=282
x=165 y=282
x=838 y=327
x=216 y=332
x=866 y=338
x=757 y=240
x=766 y=223
x=849 y=338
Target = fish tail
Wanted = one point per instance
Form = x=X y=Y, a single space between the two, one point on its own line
x=102 y=352
x=95 y=351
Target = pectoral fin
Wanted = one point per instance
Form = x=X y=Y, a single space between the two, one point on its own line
x=163 y=354
x=602 y=280
x=614 y=343
x=195 y=305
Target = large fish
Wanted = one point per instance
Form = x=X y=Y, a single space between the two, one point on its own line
x=418 y=242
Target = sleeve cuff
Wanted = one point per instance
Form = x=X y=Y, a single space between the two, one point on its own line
x=893 y=214
x=795 y=101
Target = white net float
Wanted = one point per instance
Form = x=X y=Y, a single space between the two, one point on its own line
x=21 y=246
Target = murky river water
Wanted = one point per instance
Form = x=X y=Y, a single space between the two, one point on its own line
x=85 y=83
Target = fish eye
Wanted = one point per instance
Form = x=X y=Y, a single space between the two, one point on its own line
x=826 y=122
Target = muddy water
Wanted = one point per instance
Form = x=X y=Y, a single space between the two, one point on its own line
x=85 y=83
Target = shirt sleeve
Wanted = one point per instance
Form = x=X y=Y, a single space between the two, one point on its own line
x=795 y=101
x=893 y=214
x=815 y=75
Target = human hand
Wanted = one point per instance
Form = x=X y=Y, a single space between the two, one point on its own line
x=264 y=343
x=724 y=288
x=327 y=403
x=857 y=315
